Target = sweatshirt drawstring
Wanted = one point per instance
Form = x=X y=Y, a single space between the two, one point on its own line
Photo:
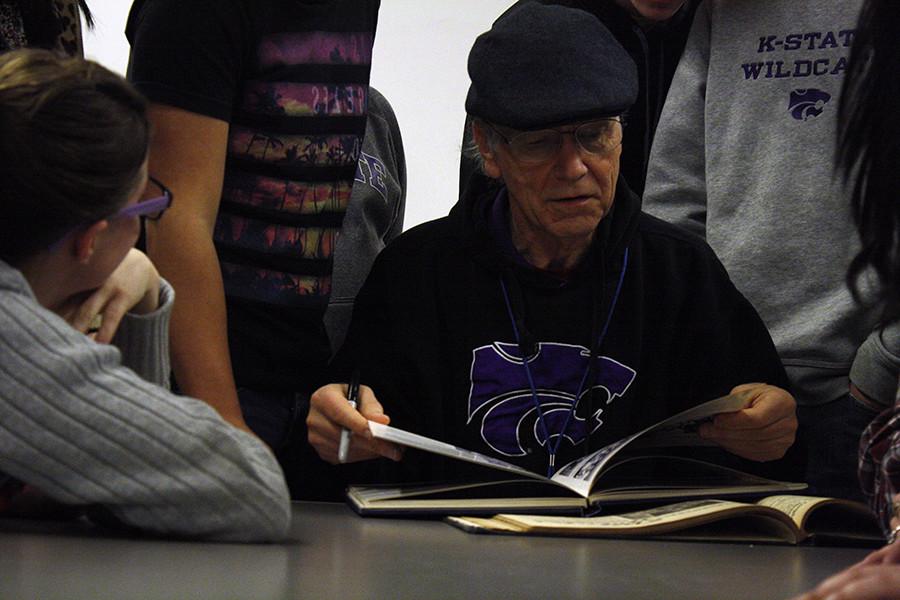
x=517 y=320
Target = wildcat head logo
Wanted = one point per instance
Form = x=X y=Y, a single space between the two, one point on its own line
x=500 y=396
x=807 y=104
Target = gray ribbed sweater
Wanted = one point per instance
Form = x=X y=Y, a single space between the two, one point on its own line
x=86 y=430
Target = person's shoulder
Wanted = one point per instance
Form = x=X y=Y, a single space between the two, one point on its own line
x=673 y=253
x=14 y=291
x=658 y=230
x=426 y=238
x=11 y=279
x=378 y=105
x=382 y=120
x=410 y=261
x=185 y=24
x=175 y=8
x=666 y=242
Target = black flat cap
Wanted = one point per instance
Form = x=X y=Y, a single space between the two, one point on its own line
x=541 y=66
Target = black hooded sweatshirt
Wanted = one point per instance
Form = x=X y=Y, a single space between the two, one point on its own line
x=435 y=327
x=655 y=51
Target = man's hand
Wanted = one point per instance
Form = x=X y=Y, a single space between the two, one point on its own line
x=763 y=431
x=132 y=287
x=330 y=411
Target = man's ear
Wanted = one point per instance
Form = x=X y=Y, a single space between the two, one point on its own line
x=491 y=168
x=85 y=241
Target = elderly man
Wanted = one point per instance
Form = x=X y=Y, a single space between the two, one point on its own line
x=549 y=315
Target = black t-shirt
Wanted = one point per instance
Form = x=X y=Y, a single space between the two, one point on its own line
x=291 y=79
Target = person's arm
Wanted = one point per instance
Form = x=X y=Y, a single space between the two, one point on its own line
x=391 y=370
x=734 y=353
x=873 y=376
x=675 y=189
x=143 y=339
x=133 y=288
x=380 y=107
x=87 y=431
x=879 y=464
x=191 y=76
x=188 y=154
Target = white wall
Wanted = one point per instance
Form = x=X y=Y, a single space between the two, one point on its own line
x=106 y=43
x=419 y=64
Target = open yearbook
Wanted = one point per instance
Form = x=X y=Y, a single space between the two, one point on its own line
x=776 y=519
x=635 y=469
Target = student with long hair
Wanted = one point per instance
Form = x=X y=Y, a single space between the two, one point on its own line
x=77 y=426
x=869 y=143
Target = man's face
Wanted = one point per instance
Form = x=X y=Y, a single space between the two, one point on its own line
x=652 y=10
x=562 y=199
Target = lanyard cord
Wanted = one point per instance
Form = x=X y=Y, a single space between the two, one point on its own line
x=553 y=448
x=537 y=405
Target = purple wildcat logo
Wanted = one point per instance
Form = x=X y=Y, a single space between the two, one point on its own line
x=500 y=396
x=807 y=104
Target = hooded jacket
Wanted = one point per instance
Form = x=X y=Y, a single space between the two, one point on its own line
x=435 y=327
x=744 y=156
x=655 y=51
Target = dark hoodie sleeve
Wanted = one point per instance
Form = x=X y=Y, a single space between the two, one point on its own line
x=394 y=342
x=729 y=333
x=727 y=344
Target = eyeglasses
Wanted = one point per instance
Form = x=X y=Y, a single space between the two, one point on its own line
x=151 y=208
x=598 y=137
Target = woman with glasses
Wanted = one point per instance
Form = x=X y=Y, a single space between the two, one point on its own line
x=78 y=427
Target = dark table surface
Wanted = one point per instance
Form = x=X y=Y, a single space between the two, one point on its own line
x=333 y=553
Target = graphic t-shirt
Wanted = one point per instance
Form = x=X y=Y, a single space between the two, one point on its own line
x=291 y=78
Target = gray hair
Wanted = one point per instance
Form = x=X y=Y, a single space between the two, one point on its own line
x=470 y=150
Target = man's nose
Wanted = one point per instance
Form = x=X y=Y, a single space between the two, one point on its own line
x=569 y=159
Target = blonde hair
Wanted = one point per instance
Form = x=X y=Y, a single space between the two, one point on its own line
x=75 y=136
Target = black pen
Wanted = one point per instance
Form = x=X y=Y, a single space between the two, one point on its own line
x=353 y=397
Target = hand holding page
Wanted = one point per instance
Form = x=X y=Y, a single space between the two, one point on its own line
x=414 y=440
x=638 y=477
x=578 y=475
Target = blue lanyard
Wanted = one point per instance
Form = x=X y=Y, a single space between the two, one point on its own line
x=552 y=449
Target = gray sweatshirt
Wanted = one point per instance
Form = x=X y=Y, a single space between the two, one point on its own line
x=374 y=215
x=84 y=429
x=744 y=156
